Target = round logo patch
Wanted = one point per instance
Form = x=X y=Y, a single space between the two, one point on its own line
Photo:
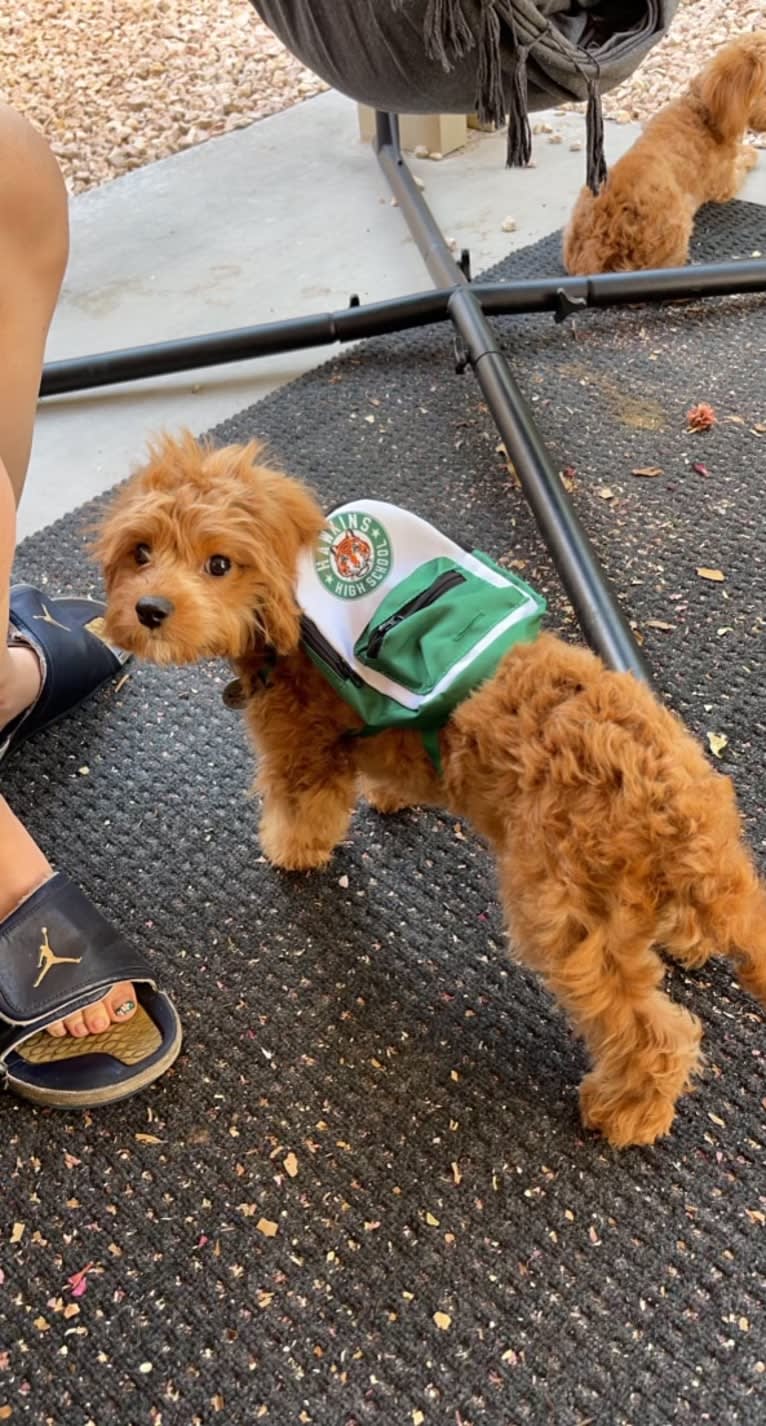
x=354 y=555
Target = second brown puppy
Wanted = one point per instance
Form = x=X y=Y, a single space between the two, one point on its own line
x=690 y=153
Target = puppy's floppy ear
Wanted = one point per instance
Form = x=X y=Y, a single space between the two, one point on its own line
x=731 y=84
x=300 y=513
x=280 y=618
x=299 y=524
x=286 y=519
x=111 y=534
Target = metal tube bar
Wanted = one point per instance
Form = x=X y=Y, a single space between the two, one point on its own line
x=442 y=268
x=597 y=610
x=668 y=284
x=348 y=324
x=596 y=607
x=242 y=343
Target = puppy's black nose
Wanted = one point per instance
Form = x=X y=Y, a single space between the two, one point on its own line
x=152 y=610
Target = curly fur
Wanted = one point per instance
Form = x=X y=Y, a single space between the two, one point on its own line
x=690 y=153
x=612 y=833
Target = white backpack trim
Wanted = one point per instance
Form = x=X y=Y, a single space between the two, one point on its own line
x=370 y=547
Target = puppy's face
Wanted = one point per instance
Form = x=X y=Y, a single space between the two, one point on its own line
x=199 y=555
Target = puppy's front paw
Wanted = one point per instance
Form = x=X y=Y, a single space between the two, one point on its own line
x=285 y=847
x=628 y=1119
x=378 y=796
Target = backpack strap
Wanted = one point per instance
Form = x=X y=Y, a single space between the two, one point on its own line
x=430 y=737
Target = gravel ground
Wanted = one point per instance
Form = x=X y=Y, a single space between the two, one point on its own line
x=699 y=28
x=115 y=84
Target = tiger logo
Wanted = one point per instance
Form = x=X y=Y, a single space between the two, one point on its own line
x=352 y=554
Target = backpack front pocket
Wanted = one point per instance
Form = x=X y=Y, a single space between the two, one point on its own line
x=431 y=621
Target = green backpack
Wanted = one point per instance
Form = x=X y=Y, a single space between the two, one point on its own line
x=403 y=622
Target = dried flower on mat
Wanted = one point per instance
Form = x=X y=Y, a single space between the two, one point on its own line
x=701 y=417
x=717 y=742
x=78 y=1282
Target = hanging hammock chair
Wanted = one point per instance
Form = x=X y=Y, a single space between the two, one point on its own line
x=497 y=58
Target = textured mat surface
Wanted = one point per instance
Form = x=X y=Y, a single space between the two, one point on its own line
x=363 y=1194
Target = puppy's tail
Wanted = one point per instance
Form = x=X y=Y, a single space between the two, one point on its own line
x=732 y=87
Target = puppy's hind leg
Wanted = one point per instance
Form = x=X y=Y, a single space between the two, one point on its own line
x=645 y=1048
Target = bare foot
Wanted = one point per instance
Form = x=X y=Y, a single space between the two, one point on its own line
x=20 y=681
x=24 y=868
x=116 y=1008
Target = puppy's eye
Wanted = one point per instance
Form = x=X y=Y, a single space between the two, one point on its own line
x=218 y=564
x=142 y=554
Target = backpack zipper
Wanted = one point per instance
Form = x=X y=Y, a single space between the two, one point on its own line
x=316 y=643
x=448 y=580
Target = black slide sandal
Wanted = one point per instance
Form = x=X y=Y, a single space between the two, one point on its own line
x=75 y=658
x=57 y=955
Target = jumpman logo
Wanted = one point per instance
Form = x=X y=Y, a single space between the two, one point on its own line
x=47 y=618
x=48 y=959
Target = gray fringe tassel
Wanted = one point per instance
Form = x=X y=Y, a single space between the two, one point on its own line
x=447 y=35
x=519 y=150
x=594 y=119
x=490 y=98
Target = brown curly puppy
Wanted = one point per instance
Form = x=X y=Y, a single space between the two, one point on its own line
x=612 y=833
x=690 y=153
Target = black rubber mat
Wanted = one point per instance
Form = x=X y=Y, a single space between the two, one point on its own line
x=363 y=1194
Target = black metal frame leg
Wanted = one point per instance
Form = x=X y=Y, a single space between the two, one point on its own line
x=597 y=610
x=467 y=306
